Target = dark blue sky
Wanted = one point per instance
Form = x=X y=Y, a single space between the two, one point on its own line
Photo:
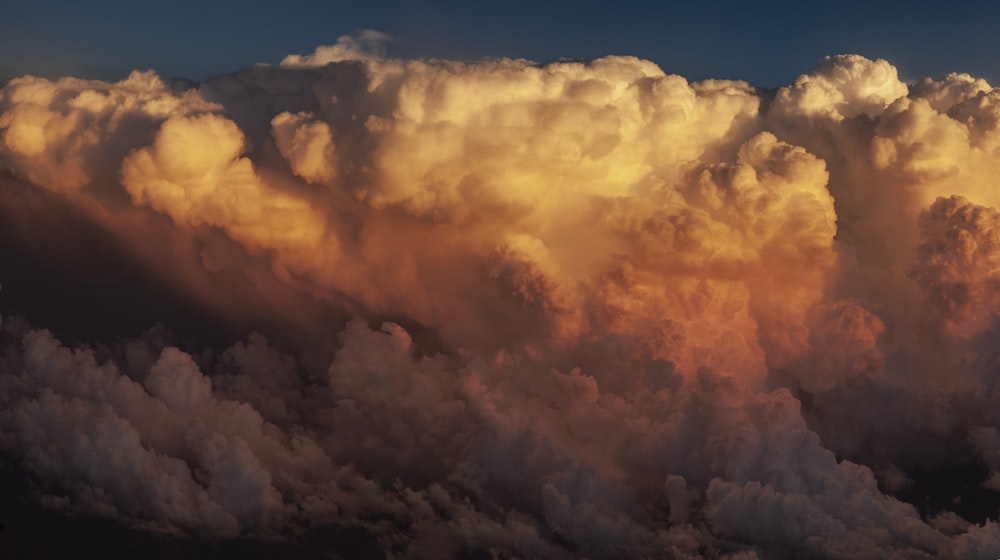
x=767 y=44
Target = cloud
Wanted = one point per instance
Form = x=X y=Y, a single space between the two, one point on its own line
x=308 y=146
x=842 y=87
x=366 y=45
x=54 y=133
x=562 y=310
x=193 y=173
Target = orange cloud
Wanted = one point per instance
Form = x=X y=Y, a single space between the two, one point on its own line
x=598 y=310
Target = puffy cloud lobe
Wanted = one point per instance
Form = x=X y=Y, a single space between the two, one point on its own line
x=905 y=135
x=53 y=133
x=842 y=86
x=948 y=92
x=176 y=457
x=844 y=339
x=980 y=114
x=175 y=379
x=621 y=313
x=507 y=136
x=959 y=260
x=76 y=429
x=194 y=173
x=754 y=237
x=306 y=144
x=366 y=45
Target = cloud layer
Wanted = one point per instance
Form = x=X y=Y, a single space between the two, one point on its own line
x=551 y=311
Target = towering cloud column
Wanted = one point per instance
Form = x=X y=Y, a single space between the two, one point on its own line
x=562 y=310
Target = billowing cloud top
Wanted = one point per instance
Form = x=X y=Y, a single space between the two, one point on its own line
x=549 y=311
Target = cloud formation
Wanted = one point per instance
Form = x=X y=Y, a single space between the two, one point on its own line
x=563 y=310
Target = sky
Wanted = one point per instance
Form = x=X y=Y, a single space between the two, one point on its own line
x=420 y=281
x=767 y=44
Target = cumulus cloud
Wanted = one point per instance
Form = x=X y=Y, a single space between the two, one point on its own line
x=53 y=132
x=193 y=172
x=366 y=45
x=306 y=144
x=842 y=87
x=563 y=310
